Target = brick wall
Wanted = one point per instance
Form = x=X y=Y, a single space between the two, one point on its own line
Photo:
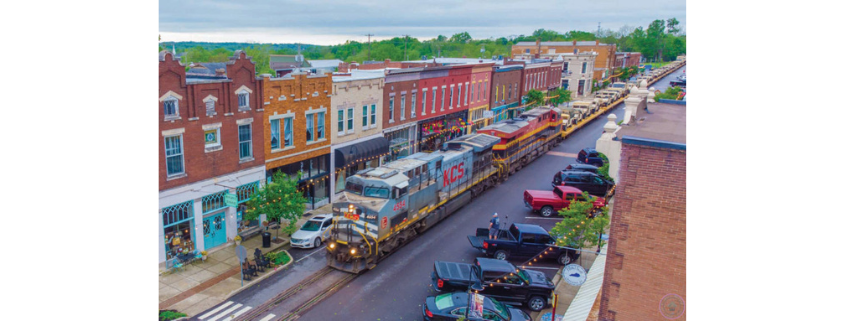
x=646 y=257
x=606 y=53
x=299 y=97
x=512 y=78
x=200 y=164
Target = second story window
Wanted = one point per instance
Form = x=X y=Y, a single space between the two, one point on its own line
x=245 y=141
x=364 y=116
x=309 y=128
x=321 y=125
x=423 y=102
x=390 y=107
x=402 y=107
x=433 y=100
x=413 y=105
x=288 y=131
x=243 y=101
x=350 y=119
x=275 y=134
x=340 y=121
x=583 y=67
x=459 y=95
x=209 y=108
x=443 y=99
x=173 y=155
x=565 y=66
x=466 y=94
x=484 y=95
x=451 y=92
x=171 y=107
x=373 y=115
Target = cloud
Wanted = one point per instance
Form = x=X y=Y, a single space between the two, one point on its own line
x=332 y=22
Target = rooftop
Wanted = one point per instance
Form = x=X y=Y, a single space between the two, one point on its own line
x=357 y=74
x=561 y=43
x=664 y=125
x=326 y=63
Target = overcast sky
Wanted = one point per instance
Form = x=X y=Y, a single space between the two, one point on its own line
x=334 y=22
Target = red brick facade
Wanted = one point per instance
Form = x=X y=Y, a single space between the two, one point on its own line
x=200 y=162
x=646 y=258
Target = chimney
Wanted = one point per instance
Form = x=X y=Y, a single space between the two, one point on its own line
x=387 y=61
x=574 y=42
x=597 y=42
x=220 y=72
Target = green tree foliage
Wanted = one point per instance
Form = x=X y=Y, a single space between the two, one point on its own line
x=535 y=98
x=277 y=199
x=462 y=37
x=670 y=93
x=559 y=96
x=578 y=229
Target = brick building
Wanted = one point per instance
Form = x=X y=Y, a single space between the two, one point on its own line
x=296 y=136
x=645 y=275
x=628 y=59
x=356 y=124
x=578 y=72
x=479 y=95
x=210 y=146
x=505 y=90
x=445 y=94
x=605 y=60
x=399 y=121
x=387 y=64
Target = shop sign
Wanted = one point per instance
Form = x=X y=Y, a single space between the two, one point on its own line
x=230 y=200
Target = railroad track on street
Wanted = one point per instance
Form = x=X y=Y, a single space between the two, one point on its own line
x=290 y=292
x=304 y=307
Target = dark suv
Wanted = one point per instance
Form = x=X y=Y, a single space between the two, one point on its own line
x=590 y=156
x=581 y=168
x=589 y=182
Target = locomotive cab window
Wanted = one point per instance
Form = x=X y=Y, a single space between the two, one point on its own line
x=379 y=192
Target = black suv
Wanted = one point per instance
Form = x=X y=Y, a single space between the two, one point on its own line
x=501 y=280
x=589 y=182
x=590 y=156
x=581 y=168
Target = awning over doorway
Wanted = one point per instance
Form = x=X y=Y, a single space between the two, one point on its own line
x=351 y=154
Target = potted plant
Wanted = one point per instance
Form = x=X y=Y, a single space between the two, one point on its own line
x=204 y=255
x=238 y=240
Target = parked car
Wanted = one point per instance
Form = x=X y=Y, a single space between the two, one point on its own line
x=581 y=168
x=590 y=156
x=501 y=280
x=521 y=240
x=589 y=182
x=312 y=233
x=453 y=306
x=549 y=202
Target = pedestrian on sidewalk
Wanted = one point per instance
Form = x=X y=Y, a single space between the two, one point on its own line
x=494 y=226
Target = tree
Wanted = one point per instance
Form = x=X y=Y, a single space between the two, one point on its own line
x=578 y=229
x=462 y=37
x=559 y=96
x=278 y=199
x=672 y=24
x=535 y=97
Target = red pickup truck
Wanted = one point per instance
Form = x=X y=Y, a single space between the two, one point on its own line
x=549 y=202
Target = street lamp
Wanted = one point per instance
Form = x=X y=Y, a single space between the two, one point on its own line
x=476 y=285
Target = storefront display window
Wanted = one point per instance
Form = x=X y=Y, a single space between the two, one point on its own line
x=178 y=229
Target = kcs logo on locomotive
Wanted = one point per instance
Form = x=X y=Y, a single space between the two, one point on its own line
x=449 y=176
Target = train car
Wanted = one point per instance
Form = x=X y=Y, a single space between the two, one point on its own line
x=525 y=138
x=384 y=208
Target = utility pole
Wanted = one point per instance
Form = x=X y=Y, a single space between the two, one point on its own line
x=406 y=46
x=598 y=33
x=368 y=45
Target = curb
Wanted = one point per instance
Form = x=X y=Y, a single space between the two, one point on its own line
x=260 y=278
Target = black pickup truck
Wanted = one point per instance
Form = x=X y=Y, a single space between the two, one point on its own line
x=521 y=240
x=502 y=281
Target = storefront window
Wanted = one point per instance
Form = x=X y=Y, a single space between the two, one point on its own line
x=178 y=228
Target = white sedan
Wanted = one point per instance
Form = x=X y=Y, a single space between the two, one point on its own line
x=312 y=233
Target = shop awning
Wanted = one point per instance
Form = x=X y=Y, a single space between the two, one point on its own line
x=351 y=154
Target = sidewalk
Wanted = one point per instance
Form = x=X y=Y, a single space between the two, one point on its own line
x=202 y=285
x=567 y=294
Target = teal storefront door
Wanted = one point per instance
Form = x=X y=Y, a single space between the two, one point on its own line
x=214 y=230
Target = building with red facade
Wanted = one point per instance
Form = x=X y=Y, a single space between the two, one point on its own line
x=479 y=95
x=211 y=154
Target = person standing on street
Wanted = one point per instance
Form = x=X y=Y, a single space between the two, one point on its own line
x=494 y=226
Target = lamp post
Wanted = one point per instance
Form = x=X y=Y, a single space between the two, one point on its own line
x=477 y=286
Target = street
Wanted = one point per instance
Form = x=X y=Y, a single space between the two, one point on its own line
x=397 y=287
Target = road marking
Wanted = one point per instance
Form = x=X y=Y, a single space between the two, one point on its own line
x=562 y=154
x=312 y=253
x=216 y=310
x=543 y=218
x=268 y=317
x=229 y=310
x=241 y=311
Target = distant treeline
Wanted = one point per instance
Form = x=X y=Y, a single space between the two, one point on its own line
x=661 y=40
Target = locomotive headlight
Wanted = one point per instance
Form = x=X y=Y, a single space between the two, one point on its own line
x=353 y=251
x=331 y=246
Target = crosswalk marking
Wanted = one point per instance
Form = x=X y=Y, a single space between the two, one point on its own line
x=241 y=311
x=229 y=310
x=268 y=317
x=216 y=310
